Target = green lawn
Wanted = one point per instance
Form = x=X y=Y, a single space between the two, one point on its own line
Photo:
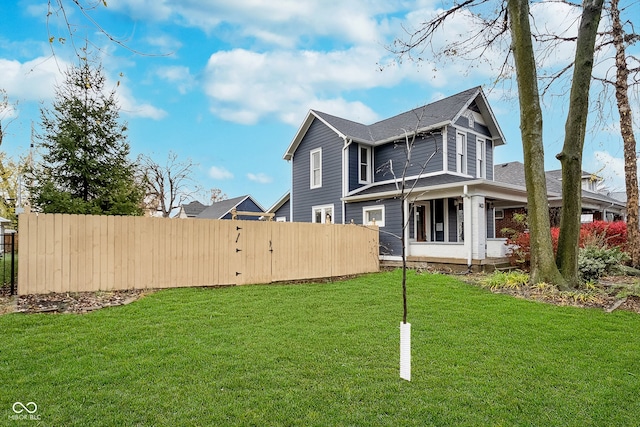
x=324 y=355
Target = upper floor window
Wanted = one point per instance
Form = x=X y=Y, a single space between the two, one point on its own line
x=316 y=168
x=364 y=162
x=461 y=153
x=480 y=158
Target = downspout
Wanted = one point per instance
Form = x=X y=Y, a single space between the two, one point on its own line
x=291 y=192
x=469 y=228
x=345 y=176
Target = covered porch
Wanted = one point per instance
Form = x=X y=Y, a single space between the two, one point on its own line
x=456 y=226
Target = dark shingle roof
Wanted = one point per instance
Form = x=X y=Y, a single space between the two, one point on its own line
x=513 y=173
x=193 y=208
x=220 y=209
x=419 y=118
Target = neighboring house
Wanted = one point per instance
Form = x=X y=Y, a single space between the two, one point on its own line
x=4 y=222
x=191 y=210
x=344 y=172
x=282 y=208
x=596 y=205
x=225 y=209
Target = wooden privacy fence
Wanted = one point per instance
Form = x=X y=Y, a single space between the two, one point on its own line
x=77 y=253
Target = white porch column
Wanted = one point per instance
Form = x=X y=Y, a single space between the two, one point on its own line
x=479 y=228
x=468 y=226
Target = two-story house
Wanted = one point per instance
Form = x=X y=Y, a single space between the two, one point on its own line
x=344 y=172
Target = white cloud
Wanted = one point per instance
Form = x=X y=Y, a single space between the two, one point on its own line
x=260 y=178
x=245 y=86
x=218 y=172
x=130 y=106
x=37 y=79
x=611 y=169
x=33 y=80
x=178 y=75
x=285 y=23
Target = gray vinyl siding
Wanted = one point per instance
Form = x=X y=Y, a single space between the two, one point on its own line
x=422 y=151
x=452 y=213
x=302 y=196
x=354 y=166
x=451 y=148
x=477 y=127
x=471 y=155
x=284 y=211
x=389 y=245
x=489 y=160
x=248 y=206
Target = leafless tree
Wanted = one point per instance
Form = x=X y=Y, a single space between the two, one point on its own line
x=627 y=75
x=511 y=21
x=216 y=195
x=168 y=186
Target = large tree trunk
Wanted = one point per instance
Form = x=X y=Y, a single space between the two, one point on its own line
x=543 y=266
x=571 y=155
x=628 y=138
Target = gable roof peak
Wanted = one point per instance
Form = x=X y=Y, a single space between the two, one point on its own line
x=421 y=119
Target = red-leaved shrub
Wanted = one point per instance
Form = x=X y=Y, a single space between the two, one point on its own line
x=609 y=234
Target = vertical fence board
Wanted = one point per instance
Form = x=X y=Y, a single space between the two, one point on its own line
x=57 y=260
x=65 y=236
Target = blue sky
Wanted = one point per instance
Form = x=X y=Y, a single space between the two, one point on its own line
x=227 y=84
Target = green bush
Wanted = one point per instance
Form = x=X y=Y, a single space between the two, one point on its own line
x=506 y=280
x=596 y=261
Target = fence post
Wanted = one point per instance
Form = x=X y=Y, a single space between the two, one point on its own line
x=13 y=263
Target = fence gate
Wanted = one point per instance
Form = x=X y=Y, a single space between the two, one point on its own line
x=8 y=263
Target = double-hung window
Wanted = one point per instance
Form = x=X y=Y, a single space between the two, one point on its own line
x=480 y=158
x=364 y=162
x=322 y=214
x=316 y=168
x=461 y=153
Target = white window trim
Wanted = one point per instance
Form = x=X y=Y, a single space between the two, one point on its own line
x=367 y=179
x=461 y=153
x=373 y=208
x=481 y=158
x=495 y=213
x=323 y=209
x=313 y=184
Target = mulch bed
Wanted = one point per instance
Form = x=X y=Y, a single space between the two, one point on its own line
x=80 y=302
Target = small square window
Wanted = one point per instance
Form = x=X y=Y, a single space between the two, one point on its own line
x=373 y=215
x=499 y=214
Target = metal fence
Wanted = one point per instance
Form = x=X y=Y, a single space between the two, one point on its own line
x=75 y=253
x=8 y=262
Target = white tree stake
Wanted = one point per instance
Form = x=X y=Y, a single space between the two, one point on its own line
x=405 y=351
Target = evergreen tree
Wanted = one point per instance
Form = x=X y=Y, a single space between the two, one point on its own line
x=84 y=168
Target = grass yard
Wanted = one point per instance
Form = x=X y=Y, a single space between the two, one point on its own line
x=324 y=355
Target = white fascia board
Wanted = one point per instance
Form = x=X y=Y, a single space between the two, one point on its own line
x=476 y=187
x=466 y=106
x=485 y=105
x=302 y=131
